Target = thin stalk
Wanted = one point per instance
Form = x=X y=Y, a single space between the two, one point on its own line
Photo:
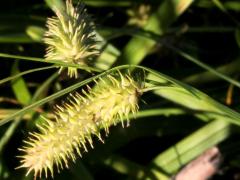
x=24 y=73
x=42 y=60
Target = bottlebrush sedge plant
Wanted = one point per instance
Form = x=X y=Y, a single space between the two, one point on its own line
x=71 y=37
x=109 y=102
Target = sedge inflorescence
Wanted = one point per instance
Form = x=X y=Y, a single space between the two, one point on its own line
x=71 y=37
x=109 y=102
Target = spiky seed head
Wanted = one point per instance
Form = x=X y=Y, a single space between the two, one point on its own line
x=71 y=37
x=112 y=99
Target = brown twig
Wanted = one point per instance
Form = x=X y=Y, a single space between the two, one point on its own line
x=203 y=167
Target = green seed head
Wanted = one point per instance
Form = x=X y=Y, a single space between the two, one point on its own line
x=112 y=99
x=71 y=37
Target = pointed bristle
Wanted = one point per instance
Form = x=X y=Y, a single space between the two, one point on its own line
x=113 y=98
x=71 y=37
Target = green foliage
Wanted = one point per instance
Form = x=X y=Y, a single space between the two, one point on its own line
x=195 y=43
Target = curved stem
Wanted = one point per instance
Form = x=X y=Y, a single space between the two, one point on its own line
x=24 y=73
x=42 y=60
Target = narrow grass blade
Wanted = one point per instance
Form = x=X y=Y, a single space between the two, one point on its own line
x=190 y=147
x=20 y=88
x=175 y=92
x=42 y=60
x=207 y=76
x=23 y=95
x=24 y=73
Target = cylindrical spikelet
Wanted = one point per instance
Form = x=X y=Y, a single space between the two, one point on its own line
x=71 y=37
x=113 y=98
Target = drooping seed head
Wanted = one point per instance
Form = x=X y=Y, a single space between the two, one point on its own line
x=71 y=37
x=112 y=99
